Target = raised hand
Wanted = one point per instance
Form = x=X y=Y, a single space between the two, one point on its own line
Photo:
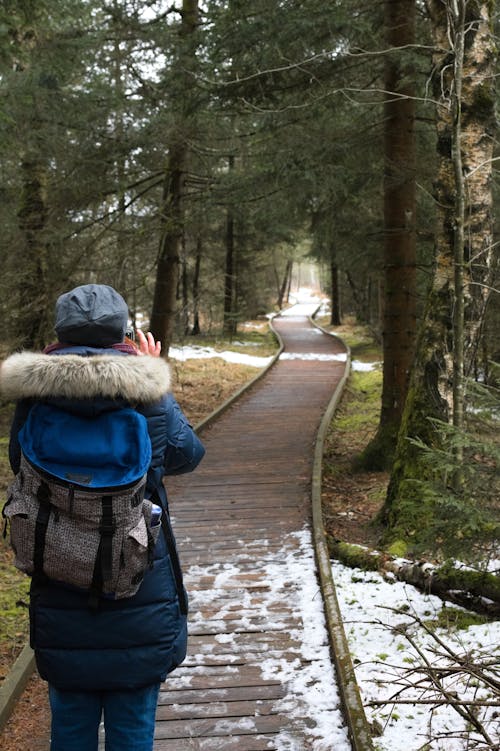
x=147 y=344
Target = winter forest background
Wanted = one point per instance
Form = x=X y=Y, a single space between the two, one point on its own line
x=193 y=155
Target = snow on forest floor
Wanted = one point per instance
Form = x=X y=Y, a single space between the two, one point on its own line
x=380 y=620
x=306 y=306
x=197 y=352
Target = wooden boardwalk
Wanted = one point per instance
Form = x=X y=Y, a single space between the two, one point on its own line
x=258 y=673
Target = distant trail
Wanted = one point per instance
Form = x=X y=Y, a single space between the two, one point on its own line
x=258 y=673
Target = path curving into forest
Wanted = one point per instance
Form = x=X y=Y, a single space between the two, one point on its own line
x=258 y=673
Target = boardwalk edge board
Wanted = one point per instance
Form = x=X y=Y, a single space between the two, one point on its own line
x=354 y=713
x=207 y=421
x=15 y=683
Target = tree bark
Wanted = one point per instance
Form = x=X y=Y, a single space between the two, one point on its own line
x=172 y=209
x=284 y=284
x=399 y=309
x=230 y=313
x=335 y=317
x=195 y=331
x=430 y=393
x=32 y=218
x=458 y=29
x=167 y=270
x=185 y=295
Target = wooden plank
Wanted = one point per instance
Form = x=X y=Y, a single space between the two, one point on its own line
x=226 y=626
x=257 y=742
x=257 y=693
x=206 y=680
x=211 y=709
x=245 y=643
x=211 y=660
x=15 y=683
x=220 y=727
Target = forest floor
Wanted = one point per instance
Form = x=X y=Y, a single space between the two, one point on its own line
x=351 y=498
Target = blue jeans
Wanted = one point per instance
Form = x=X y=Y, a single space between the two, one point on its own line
x=129 y=719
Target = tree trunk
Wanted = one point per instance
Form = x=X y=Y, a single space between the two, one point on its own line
x=289 y=285
x=399 y=309
x=430 y=394
x=230 y=322
x=167 y=270
x=285 y=284
x=171 y=209
x=335 y=318
x=458 y=29
x=195 y=331
x=185 y=297
x=476 y=590
x=360 y=299
x=32 y=321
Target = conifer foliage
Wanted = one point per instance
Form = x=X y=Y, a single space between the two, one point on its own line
x=191 y=154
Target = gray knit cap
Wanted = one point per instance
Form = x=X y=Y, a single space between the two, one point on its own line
x=93 y=314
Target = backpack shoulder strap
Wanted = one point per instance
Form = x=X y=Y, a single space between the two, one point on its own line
x=172 y=551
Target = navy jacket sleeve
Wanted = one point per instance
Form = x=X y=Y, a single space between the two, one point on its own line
x=176 y=447
x=184 y=449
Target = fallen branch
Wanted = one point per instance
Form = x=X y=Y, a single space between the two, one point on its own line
x=475 y=590
x=434 y=702
x=446 y=675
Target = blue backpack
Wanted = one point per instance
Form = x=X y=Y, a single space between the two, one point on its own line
x=76 y=508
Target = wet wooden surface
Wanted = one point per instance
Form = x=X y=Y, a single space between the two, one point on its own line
x=258 y=673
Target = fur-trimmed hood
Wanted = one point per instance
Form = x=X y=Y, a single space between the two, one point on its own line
x=30 y=375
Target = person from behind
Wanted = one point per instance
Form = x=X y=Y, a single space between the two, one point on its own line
x=106 y=659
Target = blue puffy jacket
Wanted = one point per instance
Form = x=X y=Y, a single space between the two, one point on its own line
x=131 y=642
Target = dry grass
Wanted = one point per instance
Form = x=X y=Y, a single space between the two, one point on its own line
x=200 y=386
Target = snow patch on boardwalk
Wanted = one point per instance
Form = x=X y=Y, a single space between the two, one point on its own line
x=279 y=595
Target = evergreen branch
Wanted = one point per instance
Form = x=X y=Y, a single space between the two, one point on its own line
x=312 y=59
x=116 y=212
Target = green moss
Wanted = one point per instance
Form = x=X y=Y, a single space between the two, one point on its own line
x=378 y=454
x=398 y=548
x=455 y=619
x=366 y=351
x=358 y=338
x=353 y=555
x=363 y=402
x=480 y=583
x=13 y=602
x=353 y=421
